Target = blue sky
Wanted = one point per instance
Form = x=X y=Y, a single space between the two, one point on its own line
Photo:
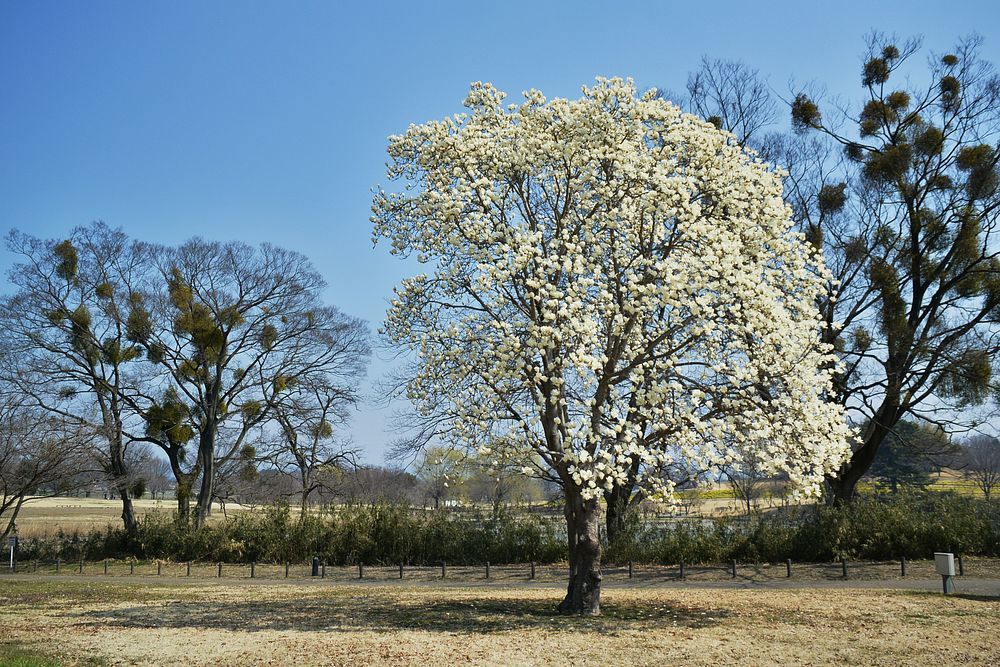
x=267 y=121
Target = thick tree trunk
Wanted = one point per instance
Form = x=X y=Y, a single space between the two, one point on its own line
x=206 y=454
x=619 y=504
x=616 y=515
x=128 y=509
x=583 y=592
x=844 y=485
x=119 y=478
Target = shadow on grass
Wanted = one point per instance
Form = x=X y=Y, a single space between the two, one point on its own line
x=383 y=612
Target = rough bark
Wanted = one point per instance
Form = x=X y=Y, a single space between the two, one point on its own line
x=583 y=592
x=616 y=515
x=844 y=485
x=206 y=455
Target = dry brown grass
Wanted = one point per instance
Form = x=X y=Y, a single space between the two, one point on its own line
x=235 y=624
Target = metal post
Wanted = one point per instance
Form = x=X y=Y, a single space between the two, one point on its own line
x=902 y=567
x=733 y=570
x=630 y=569
x=315 y=570
x=788 y=568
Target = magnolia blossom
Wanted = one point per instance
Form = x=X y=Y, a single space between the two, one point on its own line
x=612 y=285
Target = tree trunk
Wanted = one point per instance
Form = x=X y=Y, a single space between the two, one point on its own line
x=128 y=510
x=206 y=454
x=583 y=592
x=305 y=502
x=616 y=515
x=844 y=485
x=119 y=479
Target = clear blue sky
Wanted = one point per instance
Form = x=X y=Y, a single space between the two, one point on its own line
x=268 y=120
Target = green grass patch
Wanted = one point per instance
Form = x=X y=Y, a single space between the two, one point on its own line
x=16 y=655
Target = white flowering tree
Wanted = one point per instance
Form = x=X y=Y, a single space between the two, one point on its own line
x=613 y=286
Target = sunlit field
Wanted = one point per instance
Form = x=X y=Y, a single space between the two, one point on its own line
x=233 y=623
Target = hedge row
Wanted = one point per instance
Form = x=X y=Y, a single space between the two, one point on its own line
x=911 y=525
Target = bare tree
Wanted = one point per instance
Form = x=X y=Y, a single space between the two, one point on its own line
x=981 y=461
x=747 y=479
x=374 y=484
x=442 y=472
x=910 y=234
x=734 y=97
x=41 y=455
x=67 y=347
x=308 y=417
x=231 y=328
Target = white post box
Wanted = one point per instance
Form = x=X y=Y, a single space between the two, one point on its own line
x=945 y=565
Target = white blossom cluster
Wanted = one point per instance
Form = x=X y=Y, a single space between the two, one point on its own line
x=613 y=286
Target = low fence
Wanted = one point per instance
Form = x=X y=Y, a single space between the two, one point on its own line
x=843 y=570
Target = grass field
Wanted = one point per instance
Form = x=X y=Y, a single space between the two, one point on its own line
x=231 y=623
x=47 y=516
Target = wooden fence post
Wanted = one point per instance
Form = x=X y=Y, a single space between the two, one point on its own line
x=57 y=566
x=286 y=569
x=444 y=570
x=733 y=570
x=400 y=570
x=253 y=569
x=630 y=569
x=220 y=570
x=322 y=571
x=105 y=566
x=81 y=566
x=159 y=568
x=532 y=577
x=843 y=567
x=487 y=569
x=961 y=566
x=682 y=569
x=131 y=566
x=189 y=568
x=788 y=568
x=902 y=567
x=361 y=570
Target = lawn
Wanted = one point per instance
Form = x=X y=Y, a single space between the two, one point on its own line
x=233 y=623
